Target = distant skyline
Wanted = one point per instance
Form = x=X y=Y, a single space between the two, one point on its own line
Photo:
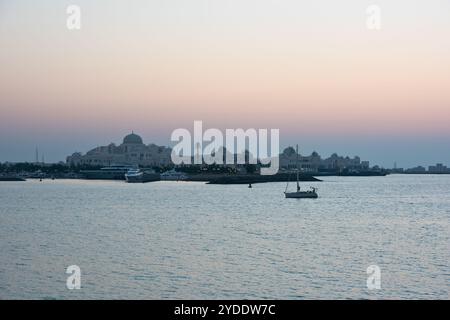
x=310 y=68
x=397 y=148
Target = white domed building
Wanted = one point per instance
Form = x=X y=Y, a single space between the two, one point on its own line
x=132 y=151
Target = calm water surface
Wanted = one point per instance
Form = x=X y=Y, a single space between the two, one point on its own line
x=195 y=241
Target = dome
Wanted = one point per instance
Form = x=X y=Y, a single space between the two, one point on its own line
x=289 y=151
x=132 y=139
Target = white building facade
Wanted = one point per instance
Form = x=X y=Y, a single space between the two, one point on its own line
x=314 y=163
x=132 y=151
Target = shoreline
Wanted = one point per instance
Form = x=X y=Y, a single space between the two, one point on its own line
x=224 y=179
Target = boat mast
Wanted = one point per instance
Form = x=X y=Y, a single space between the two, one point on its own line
x=298 y=185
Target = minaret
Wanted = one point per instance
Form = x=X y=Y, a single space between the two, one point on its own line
x=37 y=155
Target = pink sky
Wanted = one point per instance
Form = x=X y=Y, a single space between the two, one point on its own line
x=312 y=69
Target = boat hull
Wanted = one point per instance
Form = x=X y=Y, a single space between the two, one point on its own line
x=102 y=175
x=135 y=178
x=173 y=178
x=142 y=178
x=301 y=195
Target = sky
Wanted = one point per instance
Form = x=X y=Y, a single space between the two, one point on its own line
x=309 y=68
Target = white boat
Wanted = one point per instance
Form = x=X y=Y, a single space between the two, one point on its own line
x=309 y=194
x=173 y=175
x=138 y=175
x=134 y=175
x=113 y=172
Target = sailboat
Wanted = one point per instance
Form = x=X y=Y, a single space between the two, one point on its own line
x=310 y=194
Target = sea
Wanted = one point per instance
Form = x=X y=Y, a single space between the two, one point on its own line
x=363 y=238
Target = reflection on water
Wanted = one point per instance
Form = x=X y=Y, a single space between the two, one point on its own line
x=197 y=241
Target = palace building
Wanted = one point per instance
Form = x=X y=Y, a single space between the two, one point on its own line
x=132 y=151
x=314 y=162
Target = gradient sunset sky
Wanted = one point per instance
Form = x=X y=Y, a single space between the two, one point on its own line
x=310 y=68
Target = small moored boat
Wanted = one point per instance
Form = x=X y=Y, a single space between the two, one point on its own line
x=302 y=194
x=309 y=194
